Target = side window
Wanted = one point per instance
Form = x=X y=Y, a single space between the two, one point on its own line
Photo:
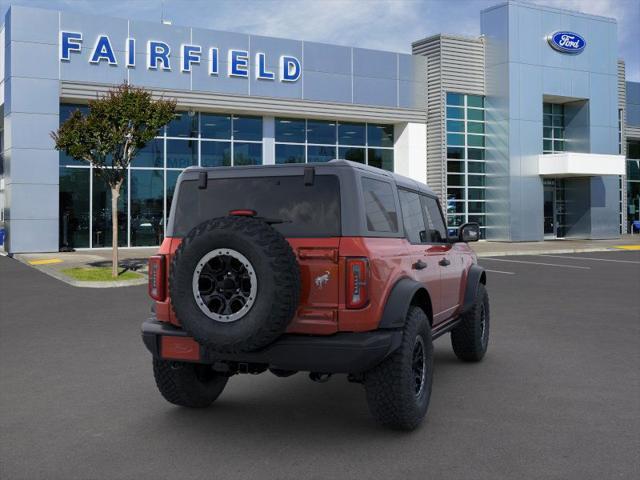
x=412 y=216
x=380 y=206
x=437 y=230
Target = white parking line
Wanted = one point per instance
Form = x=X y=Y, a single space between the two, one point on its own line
x=498 y=271
x=535 y=263
x=591 y=258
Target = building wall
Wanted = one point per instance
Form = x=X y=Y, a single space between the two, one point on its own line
x=521 y=69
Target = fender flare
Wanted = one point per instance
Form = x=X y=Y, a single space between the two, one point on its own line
x=475 y=277
x=398 y=302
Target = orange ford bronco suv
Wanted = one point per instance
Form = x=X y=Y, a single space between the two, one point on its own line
x=325 y=268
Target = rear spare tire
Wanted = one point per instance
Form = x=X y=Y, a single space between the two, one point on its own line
x=234 y=284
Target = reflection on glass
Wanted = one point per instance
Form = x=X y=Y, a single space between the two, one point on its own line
x=151 y=155
x=215 y=126
x=247 y=154
x=184 y=124
x=182 y=153
x=247 y=127
x=289 y=153
x=381 y=158
x=290 y=130
x=351 y=133
x=477 y=115
x=455 y=126
x=215 y=154
x=320 y=131
x=455 y=98
x=102 y=213
x=379 y=135
x=74 y=207
x=351 y=153
x=147 y=204
x=319 y=153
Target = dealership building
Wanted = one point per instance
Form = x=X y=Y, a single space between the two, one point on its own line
x=530 y=129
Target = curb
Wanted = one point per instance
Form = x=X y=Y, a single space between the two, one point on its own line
x=546 y=252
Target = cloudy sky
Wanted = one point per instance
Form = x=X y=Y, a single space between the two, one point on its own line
x=379 y=24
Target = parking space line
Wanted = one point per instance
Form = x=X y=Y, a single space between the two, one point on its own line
x=499 y=271
x=591 y=258
x=536 y=263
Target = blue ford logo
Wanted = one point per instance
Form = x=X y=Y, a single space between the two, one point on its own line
x=567 y=42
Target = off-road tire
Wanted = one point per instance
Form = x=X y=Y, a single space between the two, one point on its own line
x=278 y=283
x=470 y=338
x=390 y=386
x=188 y=384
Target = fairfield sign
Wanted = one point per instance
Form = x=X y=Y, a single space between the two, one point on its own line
x=159 y=56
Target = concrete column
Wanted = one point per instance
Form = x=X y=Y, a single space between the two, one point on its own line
x=410 y=150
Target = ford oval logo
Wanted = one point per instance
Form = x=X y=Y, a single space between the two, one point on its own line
x=567 y=42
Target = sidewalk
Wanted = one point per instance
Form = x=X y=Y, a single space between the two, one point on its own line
x=498 y=249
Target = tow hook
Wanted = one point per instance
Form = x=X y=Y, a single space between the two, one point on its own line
x=320 y=377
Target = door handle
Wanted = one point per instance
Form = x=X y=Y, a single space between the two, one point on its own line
x=419 y=265
x=444 y=262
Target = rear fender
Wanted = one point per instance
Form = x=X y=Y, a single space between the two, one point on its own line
x=475 y=277
x=403 y=294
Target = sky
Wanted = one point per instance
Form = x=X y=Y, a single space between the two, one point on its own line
x=378 y=24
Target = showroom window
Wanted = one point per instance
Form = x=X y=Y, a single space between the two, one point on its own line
x=552 y=128
x=633 y=182
x=191 y=138
x=307 y=140
x=465 y=131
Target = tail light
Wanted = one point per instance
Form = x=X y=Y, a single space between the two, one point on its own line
x=357 y=282
x=157 y=270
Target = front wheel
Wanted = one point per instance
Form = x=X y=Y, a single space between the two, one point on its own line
x=470 y=338
x=398 y=389
x=188 y=384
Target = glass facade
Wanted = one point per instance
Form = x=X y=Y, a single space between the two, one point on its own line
x=552 y=128
x=465 y=130
x=633 y=182
x=306 y=140
x=192 y=138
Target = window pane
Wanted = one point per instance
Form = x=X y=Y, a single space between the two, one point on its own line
x=320 y=131
x=147 y=204
x=351 y=133
x=74 y=207
x=353 y=154
x=455 y=126
x=455 y=167
x=455 y=139
x=455 y=220
x=247 y=153
x=454 y=112
x=215 y=126
x=437 y=231
x=547 y=120
x=412 y=218
x=247 y=128
x=215 y=154
x=454 y=207
x=633 y=169
x=379 y=135
x=455 y=153
x=633 y=149
x=455 y=98
x=475 y=101
x=67 y=160
x=558 y=121
x=476 y=207
x=476 y=193
x=289 y=153
x=547 y=132
x=475 y=127
x=455 y=180
x=102 y=213
x=319 y=153
x=290 y=130
x=151 y=155
x=380 y=158
x=547 y=145
x=183 y=125
x=455 y=193
x=558 y=145
x=380 y=206
x=557 y=108
x=558 y=133
x=476 y=180
x=477 y=219
x=476 y=167
x=546 y=108
x=475 y=153
x=66 y=109
x=475 y=140
x=477 y=115
x=182 y=153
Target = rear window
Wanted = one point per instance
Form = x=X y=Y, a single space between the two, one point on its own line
x=306 y=211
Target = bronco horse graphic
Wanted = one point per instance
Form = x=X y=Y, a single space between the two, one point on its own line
x=322 y=280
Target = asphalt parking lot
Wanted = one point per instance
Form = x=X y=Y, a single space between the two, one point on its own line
x=558 y=395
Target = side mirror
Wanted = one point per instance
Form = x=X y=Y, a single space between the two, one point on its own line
x=469 y=232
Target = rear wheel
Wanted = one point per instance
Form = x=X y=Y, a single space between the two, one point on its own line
x=470 y=338
x=398 y=389
x=188 y=384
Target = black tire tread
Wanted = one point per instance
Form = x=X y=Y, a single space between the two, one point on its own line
x=466 y=336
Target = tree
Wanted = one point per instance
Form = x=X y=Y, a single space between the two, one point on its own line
x=117 y=126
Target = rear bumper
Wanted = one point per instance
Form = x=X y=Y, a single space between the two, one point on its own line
x=338 y=353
